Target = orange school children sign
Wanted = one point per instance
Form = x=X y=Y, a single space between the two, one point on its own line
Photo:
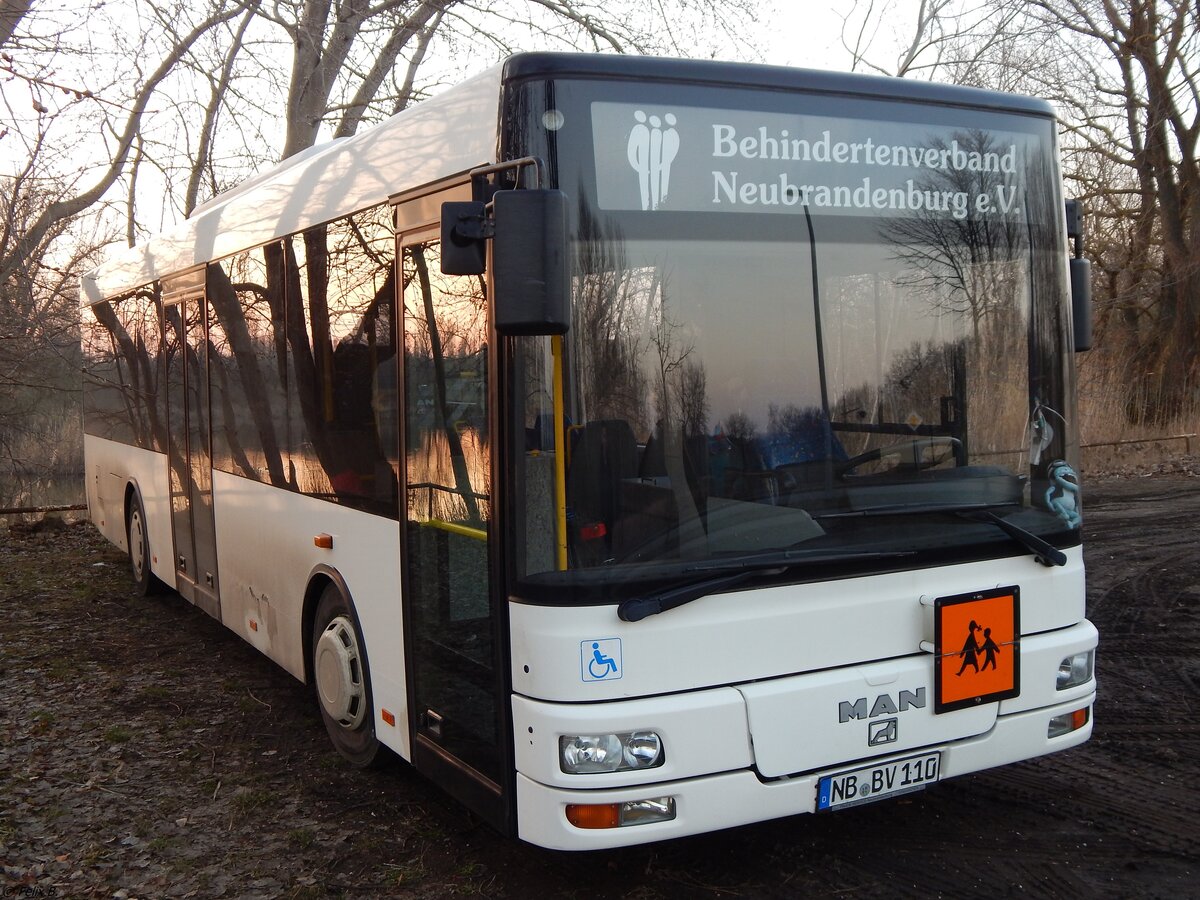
x=977 y=640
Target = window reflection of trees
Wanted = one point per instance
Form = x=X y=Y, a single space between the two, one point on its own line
x=447 y=435
x=304 y=358
x=121 y=339
x=608 y=332
x=633 y=359
x=967 y=279
x=342 y=356
x=247 y=366
x=972 y=267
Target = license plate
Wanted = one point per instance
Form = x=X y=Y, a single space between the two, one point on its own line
x=889 y=779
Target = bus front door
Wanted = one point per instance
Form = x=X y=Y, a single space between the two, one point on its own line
x=189 y=453
x=453 y=635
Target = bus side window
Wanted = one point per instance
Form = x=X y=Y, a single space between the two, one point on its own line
x=340 y=338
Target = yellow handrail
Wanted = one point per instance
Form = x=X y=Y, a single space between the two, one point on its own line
x=465 y=530
x=560 y=456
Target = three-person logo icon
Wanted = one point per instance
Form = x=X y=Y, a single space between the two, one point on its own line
x=651 y=150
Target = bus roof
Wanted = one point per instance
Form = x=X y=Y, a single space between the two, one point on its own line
x=447 y=134
x=752 y=75
x=453 y=132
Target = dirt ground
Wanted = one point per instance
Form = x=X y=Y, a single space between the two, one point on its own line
x=145 y=751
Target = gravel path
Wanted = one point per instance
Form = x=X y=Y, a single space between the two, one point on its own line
x=145 y=751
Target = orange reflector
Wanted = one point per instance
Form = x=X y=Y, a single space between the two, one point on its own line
x=605 y=815
x=1079 y=718
x=324 y=541
x=253 y=625
x=388 y=717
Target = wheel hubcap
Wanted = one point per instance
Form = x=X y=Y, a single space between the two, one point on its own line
x=137 y=544
x=338 y=665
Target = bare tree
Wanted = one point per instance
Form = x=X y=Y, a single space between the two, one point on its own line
x=16 y=246
x=181 y=99
x=943 y=33
x=1125 y=78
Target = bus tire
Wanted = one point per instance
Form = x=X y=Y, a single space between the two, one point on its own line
x=342 y=682
x=145 y=582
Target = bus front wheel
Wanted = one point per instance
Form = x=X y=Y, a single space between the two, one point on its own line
x=144 y=580
x=340 y=674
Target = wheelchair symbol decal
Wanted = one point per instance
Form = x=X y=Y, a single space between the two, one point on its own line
x=600 y=660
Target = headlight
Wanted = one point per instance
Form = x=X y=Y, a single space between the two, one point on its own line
x=586 y=754
x=1075 y=670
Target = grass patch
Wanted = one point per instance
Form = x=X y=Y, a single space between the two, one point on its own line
x=43 y=720
x=302 y=837
x=247 y=800
x=117 y=735
x=408 y=873
x=53 y=813
x=63 y=669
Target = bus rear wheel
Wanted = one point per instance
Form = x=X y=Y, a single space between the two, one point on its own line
x=340 y=676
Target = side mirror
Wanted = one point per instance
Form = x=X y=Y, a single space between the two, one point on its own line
x=1074 y=219
x=1081 y=278
x=1081 y=302
x=529 y=260
x=464 y=247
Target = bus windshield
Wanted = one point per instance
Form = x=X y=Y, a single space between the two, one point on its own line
x=832 y=328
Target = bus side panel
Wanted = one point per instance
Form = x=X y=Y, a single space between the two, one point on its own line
x=110 y=467
x=266 y=558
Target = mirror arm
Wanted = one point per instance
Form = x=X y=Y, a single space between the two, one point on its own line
x=476 y=227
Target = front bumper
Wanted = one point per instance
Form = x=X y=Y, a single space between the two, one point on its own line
x=714 y=802
x=711 y=771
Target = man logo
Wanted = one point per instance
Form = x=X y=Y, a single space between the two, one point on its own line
x=884 y=705
x=651 y=150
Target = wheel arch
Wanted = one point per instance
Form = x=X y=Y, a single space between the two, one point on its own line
x=132 y=490
x=320 y=578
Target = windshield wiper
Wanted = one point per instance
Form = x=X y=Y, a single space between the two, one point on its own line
x=1046 y=554
x=634 y=609
x=906 y=509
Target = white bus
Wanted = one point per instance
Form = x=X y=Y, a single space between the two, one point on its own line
x=637 y=447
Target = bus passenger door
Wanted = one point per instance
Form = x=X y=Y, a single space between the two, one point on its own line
x=189 y=452
x=454 y=637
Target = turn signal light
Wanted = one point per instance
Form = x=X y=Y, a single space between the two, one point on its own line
x=593 y=815
x=1067 y=722
x=618 y=815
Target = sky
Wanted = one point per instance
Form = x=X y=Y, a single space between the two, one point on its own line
x=804 y=33
x=789 y=32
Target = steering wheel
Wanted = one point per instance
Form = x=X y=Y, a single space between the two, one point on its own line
x=912 y=456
